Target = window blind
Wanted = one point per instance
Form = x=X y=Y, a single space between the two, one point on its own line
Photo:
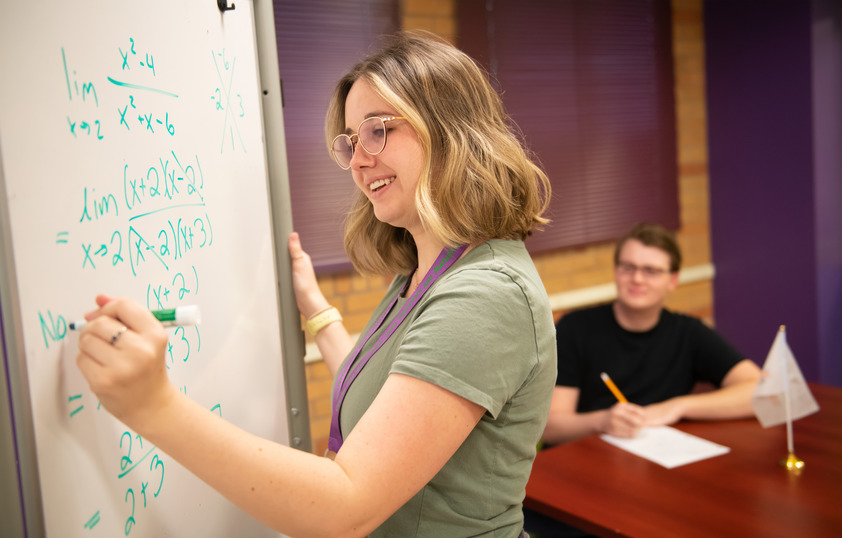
x=318 y=42
x=590 y=84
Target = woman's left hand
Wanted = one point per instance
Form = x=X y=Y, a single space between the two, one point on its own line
x=122 y=357
x=308 y=296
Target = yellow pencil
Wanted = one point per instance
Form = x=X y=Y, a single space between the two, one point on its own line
x=613 y=388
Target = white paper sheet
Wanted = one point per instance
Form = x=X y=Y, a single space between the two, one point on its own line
x=667 y=446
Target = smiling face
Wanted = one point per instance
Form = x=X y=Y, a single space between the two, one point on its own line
x=643 y=276
x=388 y=179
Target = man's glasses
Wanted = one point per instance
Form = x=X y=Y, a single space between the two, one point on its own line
x=629 y=269
x=371 y=135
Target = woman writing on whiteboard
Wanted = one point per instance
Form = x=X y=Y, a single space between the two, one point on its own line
x=440 y=404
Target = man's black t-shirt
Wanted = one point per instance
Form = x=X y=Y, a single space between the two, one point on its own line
x=648 y=367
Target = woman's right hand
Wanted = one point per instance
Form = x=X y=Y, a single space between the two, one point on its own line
x=121 y=355
x=308 y=296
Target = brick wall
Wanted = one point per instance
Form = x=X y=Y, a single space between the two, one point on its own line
x=437 y=16
x=577 y=268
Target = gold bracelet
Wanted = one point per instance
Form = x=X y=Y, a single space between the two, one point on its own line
x=322 y=319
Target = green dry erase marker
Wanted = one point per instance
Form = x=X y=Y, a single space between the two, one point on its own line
x=180 y=315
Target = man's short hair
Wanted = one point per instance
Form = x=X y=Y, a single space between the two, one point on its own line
x=653 y=235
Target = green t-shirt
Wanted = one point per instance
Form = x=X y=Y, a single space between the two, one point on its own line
x=483 y=331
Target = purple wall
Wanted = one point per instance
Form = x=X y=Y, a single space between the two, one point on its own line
x=827 y=114
x=770 y=175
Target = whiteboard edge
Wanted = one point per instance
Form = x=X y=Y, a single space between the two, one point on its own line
x=292 y=344
x=21 y=509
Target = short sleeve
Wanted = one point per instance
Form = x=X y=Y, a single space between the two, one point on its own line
x=475 y=336
x=714 y=356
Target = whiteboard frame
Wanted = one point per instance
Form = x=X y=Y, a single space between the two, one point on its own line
x=20 y=486
x=292 y=345
x=21 y=508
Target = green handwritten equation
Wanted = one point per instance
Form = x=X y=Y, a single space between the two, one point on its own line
x=145 y=219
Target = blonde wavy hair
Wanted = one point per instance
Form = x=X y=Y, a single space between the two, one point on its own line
x=478 y=182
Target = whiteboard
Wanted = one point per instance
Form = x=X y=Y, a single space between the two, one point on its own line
x=133 y=161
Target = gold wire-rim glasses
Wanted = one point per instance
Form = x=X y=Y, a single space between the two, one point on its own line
x=348 y=141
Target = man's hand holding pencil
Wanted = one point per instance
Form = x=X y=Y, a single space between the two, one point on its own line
x=624 y=419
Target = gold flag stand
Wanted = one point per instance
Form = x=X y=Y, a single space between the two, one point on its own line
x=792 y=463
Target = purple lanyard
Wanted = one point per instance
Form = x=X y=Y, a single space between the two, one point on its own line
x=447 y=257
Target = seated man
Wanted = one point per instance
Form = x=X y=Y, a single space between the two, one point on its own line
x=653 y=355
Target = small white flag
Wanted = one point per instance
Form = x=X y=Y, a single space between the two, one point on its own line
x=782 y=377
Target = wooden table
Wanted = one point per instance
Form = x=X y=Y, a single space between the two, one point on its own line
x=607 y=491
